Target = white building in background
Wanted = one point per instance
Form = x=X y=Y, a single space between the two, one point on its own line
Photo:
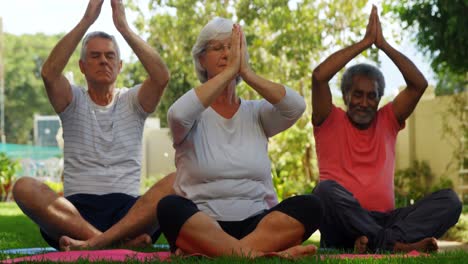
x=45 y=130
x=158 y=153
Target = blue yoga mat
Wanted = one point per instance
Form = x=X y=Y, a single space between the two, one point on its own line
x=40 y=250
x=28 y=251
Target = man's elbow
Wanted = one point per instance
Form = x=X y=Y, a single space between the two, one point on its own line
x=424 y=84
x=421 y=85
x=166 y=78
x=48 y=73
x=317 y=76
x=45 y=73
x=163 y=80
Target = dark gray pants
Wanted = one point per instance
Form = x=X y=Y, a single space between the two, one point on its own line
x=345 y=220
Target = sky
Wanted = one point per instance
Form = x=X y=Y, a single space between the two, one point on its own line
x=59 y=16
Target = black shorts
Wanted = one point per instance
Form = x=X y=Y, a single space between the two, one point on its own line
x=173 y=211
x=101 y=211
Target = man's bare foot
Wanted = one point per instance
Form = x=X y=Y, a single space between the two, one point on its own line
x=179 y=252
x=360 y=245
x=428 y=244
x=140 y=241
x=68 y=243
x=297 y=251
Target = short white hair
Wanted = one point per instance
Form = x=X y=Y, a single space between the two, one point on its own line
x=98 y=34
x=217 y=29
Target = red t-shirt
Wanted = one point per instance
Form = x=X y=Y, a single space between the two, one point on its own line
x=362 y=161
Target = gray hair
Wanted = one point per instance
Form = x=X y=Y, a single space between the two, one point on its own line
x=97 y=34
x=217 y=29
x=362 y=69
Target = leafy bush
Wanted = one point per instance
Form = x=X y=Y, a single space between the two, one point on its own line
x=459 y=232
x=415 y=182
x=293 y=161
x=8 y=168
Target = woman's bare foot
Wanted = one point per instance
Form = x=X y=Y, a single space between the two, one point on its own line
x=140 y=241
x=360 y=245
x=428 y=244
x=68 y=243
x=297 y=251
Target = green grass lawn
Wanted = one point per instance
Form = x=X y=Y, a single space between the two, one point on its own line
x=17 y=231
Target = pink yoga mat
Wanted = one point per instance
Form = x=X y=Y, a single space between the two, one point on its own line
x=124 y=254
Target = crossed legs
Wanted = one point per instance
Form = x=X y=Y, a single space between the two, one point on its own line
x=136 y=224
x=61 y=221
x=55 y=215
x=346 y=224
x=281 y=229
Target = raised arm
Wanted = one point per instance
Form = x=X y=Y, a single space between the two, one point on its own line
x=158 y=75
x=278 y=117
x=406 y=100
x=185 y=110
x=271 y=91
x=322 y=74
x=285 y=106
x=57 y=86
x=211 y=89
x=182 y=115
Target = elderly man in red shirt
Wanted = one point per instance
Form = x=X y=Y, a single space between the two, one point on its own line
x=356 y=157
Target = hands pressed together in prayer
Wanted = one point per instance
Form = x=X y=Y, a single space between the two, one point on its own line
x=374 y=31
x=238 y=59
x=118 y=13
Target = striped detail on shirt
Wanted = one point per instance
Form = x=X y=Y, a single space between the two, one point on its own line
x=102 y=145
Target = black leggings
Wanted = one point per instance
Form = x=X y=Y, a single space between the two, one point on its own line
x=173 y=211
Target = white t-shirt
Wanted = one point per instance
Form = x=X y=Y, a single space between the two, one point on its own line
x=102 y=144
x=223 y=164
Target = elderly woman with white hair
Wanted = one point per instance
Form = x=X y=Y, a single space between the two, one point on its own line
x=225 y=203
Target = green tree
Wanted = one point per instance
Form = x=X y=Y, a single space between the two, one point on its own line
x=286 y=39
x=24 y=91
x=173 y=35
x=450 y=82
x=440 y=30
